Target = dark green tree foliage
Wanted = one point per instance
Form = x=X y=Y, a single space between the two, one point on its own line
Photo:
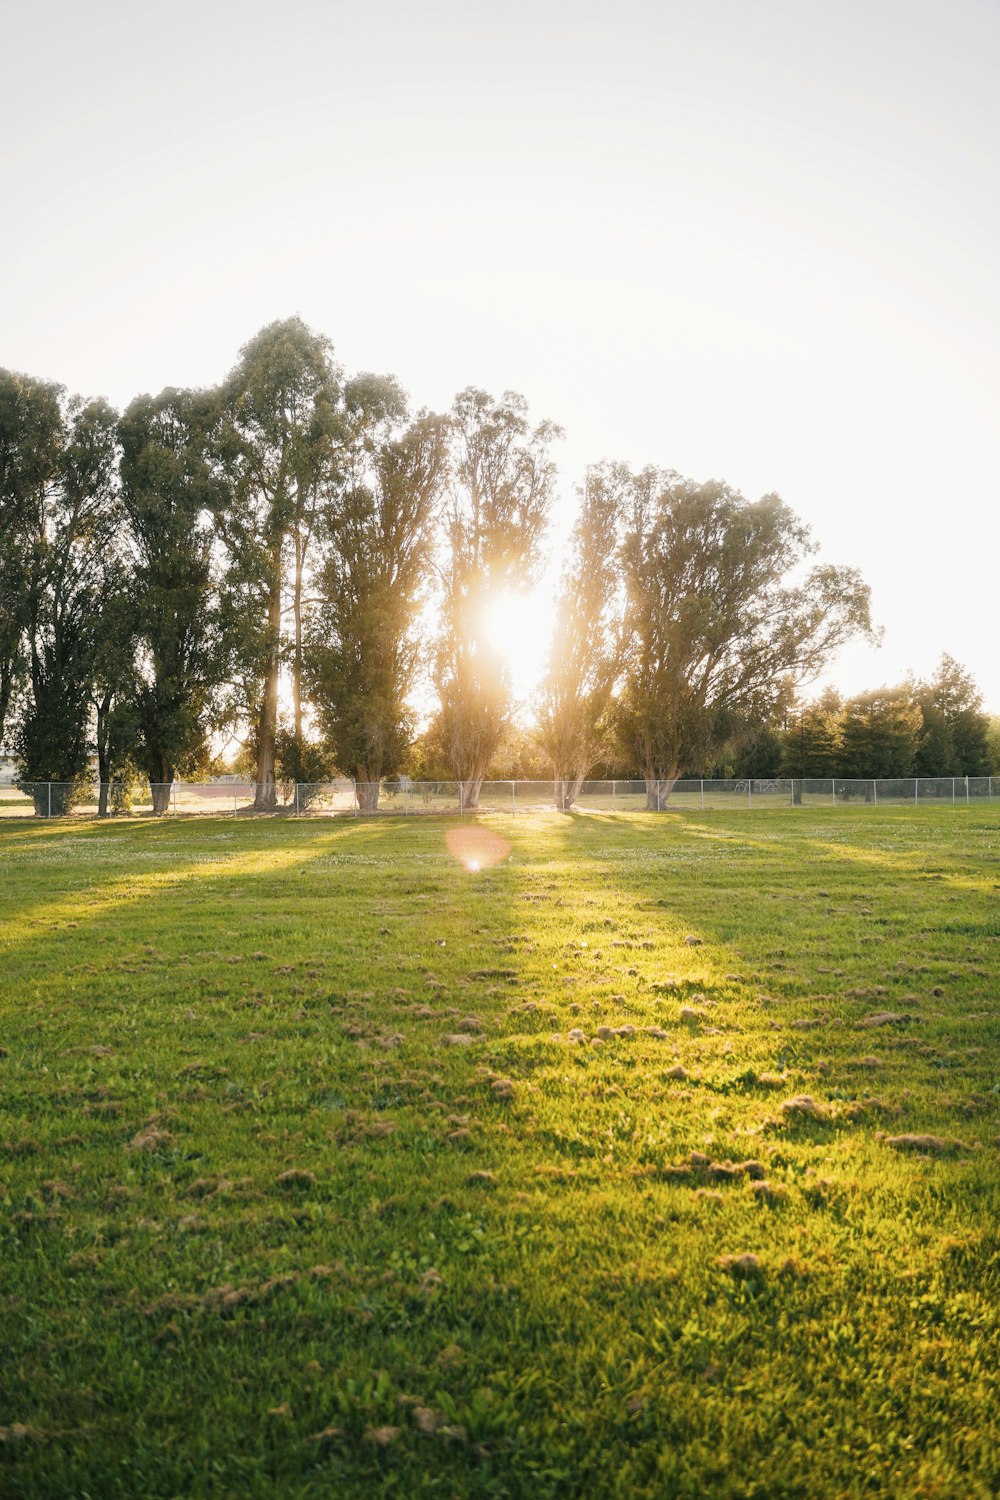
x=954 y=739
x=113 y=690
x=757 y=753
x=714 y=631
x=812 y=744
x=31 y=439
x=880 y=733
x=171 y=492
x=585 y=654
x=502 y=482
x=74 y=535
x=361 y=654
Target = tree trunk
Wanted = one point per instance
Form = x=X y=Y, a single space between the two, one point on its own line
x=103 y=759
x=266 y=794
x=6 y=692
x=160 y=793
x=297 y=658
x=367 y=791
x=468 y=791
x=796 y=792
x=658 y=789
x=568 y=789
x=161 y=778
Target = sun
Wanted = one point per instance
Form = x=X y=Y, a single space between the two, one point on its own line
x=519 y=627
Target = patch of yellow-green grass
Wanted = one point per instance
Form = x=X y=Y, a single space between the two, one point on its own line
x=657 y=1157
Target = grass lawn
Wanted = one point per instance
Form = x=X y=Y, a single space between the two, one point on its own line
x=658 y=1159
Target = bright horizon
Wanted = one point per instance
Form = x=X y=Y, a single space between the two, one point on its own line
x=749 y=243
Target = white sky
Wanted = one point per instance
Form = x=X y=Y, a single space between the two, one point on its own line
x=755 y=240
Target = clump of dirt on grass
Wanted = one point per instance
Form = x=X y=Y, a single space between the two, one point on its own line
x=744 y=1267
x=881 y=1018
x=151 y=1138
x=927 y=1145
x=769 y=1192
x=805 y=1107
x=425 y=1419
x=381 y=1436
x=21 y=1432
x=296 y=1177
x=502 y=1088
x=480 y=1179
x=54 y=1190
x=677 y=1071
x=456 y=1039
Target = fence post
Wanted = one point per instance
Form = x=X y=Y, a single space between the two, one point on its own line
x=513 y=804
x=50 y=799
x=173 y=797
x=966 y=791
x=875 y=791
x=916 y=791
x=953 y=791
x=749 y=792
x=296 y=799
x=406 y=802
x=833 y=792
x=614 y=789
x=234 y=799
x=703 y=794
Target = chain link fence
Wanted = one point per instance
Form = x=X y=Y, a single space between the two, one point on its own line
x=404 y=798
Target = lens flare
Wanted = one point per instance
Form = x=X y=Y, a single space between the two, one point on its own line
x=476 y=848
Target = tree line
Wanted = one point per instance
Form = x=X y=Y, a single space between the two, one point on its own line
x=285 y=556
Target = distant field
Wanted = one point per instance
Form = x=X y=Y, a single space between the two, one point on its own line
x=318 y=1178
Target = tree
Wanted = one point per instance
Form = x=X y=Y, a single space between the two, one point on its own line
x=171 y=492
x=993 y=744
x=288 y=420
x=360 y=648
x=812 y=743
x=73 y=531
x=714 y=631
x=502 y=482
x=113 y=687
x=585 y=657
x=31 y=437
x=954 y=740
x=881 y=733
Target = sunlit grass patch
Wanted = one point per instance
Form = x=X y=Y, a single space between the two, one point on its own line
x=332 y=1165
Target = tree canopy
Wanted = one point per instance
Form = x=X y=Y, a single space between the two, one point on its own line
x=293 y=560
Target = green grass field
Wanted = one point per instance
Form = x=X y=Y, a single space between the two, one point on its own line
x=659 y=1159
